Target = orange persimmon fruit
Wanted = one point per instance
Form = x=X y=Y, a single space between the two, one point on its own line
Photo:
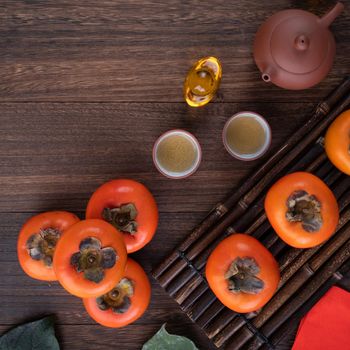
x=90 y=258
x=337 y=142
x=130 y=207
x=302 y=210
x=37 y=242
x=242 y=273
x=126 y=302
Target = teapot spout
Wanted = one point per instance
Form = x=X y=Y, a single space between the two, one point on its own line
x=331 y=15
x=267 y=74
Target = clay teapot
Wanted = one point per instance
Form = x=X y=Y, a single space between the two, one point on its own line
x=294 y=49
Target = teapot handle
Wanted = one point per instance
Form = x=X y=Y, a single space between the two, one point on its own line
x=332 y=14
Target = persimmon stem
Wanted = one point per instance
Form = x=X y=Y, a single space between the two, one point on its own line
x=41 y=246
x=304 y=208
x=118 y=299
x=92 y=259
x=241 y=276
x=122 y=218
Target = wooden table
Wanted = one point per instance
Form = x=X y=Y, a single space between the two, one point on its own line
x=85 y=89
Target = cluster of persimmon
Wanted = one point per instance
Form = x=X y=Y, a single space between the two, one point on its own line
x=303 y=212
x=90 y=257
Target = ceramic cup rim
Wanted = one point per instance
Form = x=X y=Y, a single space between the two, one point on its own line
x=196 y=144
x=262 y=121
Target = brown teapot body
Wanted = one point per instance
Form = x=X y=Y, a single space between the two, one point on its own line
x=294 y=49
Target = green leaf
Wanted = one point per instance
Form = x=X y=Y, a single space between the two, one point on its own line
x=37 y=335
x=162 y=340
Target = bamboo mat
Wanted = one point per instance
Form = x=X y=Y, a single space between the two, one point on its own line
x=306 y=274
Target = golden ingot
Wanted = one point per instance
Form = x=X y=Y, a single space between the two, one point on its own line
x=202 y=81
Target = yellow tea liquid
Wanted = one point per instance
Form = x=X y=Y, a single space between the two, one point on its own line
x=245 y=135
x=176 y=153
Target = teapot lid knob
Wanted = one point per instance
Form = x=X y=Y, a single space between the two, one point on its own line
x=301 y=42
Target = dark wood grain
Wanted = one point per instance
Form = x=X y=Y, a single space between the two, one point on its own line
x=141 y=50
x=94 y=336
x=85 y=89
x=55 y=154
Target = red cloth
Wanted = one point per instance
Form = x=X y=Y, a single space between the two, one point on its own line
x=327 y=325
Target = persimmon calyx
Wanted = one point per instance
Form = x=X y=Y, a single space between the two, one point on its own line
x=41 y=246
x=118 y=299
x=241 y=276
x=122 y=218
x=92 y=259
x=304 y=208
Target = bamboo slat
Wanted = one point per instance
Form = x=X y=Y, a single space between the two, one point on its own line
x=185 y=281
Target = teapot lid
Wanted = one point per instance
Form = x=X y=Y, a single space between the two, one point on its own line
x=300 y=44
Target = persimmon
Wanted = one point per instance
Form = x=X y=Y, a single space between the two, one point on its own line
x=302 y=210
x=37 y=242
x=242 y=273
x=90 y=258
x=130 y=207
x=337 y=142
x=126 y=302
